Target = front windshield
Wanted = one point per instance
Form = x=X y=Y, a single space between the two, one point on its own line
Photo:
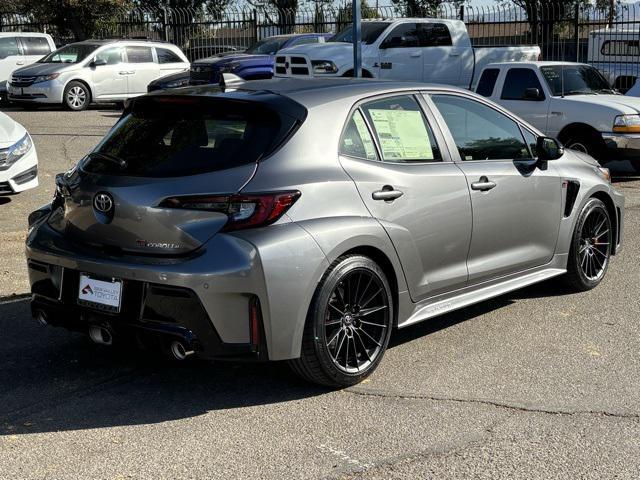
x=268 y=46
x=370 y=33
x=578 y=80
x=73 y=53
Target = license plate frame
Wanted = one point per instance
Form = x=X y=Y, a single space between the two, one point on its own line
x=100 y=293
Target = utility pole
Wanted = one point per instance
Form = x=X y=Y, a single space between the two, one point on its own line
x=357 y=35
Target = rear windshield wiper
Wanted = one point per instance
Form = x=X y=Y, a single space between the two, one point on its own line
x=109 y=158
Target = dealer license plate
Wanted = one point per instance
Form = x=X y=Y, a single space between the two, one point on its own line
x=103 y=295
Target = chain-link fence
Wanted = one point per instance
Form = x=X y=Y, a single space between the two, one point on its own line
x=562 y=30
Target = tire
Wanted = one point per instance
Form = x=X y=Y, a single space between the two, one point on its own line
x=77 y=96
x=587 y=142
x=590 y=250
x=334 y=327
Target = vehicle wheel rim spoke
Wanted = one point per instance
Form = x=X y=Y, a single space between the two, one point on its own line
x=355 y=334
x=595 y=245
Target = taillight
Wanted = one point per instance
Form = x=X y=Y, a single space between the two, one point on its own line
x=243 y=211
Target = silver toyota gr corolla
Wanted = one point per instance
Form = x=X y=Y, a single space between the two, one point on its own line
x=304 y=220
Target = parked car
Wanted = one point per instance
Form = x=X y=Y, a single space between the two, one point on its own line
x=257 y=62
x=202 y=51
x=569 y=101
x=95 y=71
x=18 y=158
x=305 y=220
x=615 y=53
x=173 y=80
x=18 y=49
x=417 y=49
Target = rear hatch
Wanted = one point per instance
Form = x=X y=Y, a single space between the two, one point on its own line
x=166 y=147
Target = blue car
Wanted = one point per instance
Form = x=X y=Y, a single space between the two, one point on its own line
x=257 y=62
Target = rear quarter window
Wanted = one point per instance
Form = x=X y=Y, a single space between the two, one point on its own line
x=167 y=56
x=35 y=45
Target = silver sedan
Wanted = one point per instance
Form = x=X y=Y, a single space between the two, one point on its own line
x=305 y=220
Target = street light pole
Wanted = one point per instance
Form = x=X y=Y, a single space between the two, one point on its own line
x=357 y=35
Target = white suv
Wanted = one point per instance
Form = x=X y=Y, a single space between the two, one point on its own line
x=18 y=49
x=95 y=71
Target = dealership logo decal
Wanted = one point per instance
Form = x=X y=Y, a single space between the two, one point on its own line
x=103 y=202
x=87 y=290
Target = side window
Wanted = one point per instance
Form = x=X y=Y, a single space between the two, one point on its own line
x=113 y=56
x=532 y=141
x=480 y=132
x=305 y=40
x=167 y=56
x=8 y=47
x=403 y=36
x=35 y=46
x=435 y=35
x=139 y=55
x=620 y=47
x=356 y=140
x=402 y=131
x=517 y=84
x=487 y=82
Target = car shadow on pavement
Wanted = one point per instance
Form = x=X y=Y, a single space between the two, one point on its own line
x=5 y=200
x=54 y=380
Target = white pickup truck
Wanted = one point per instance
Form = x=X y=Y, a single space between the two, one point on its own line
x=570 y=101
x=414 y=49
x=615 y=53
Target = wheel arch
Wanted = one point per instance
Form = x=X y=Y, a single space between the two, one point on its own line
x=365 y=73
x=575 y=127
x=79 y=80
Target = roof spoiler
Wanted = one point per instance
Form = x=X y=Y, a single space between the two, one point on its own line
x=229 y=80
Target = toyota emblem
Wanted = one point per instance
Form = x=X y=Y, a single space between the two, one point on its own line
x=103 y=202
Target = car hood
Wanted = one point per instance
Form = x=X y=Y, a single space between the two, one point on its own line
x=10 y=131
x=42 y=69
x=621 y=102
x=321 y=51
x=238 y=57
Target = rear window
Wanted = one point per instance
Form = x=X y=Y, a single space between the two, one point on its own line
x=487 y=82
x=169 y=137
x=35 y=45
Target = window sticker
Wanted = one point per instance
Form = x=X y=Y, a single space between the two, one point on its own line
x=365 y=136
x=403 y=134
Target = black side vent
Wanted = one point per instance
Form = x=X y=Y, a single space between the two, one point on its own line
x=573 y=187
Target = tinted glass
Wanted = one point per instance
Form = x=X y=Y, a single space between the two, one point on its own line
x=8 y=47
x=370 y=32
x=112 y=56
x=35 y=45
x=402 y=36
x=480 y=132
x=160 y=139
x=517 y=81
x=305 y=40
x=268 y=46
x=402 y=131
x=356 y=140
x=435 y=35
x=621 y=47
x=139 y=55
x=167 y=56
x=74 y=53
x=487 y=82
x=578 y=79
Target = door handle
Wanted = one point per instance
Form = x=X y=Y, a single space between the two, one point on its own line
x=20 y=62
x=483 y=184
x=123 y=73
x=415 y=54
x=388 y=194
x=454 y=54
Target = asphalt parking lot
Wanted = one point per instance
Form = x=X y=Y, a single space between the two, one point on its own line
x=536 y=384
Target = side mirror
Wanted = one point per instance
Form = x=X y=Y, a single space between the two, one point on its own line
x=548 y=148
x=98 y=62
x=533 y=94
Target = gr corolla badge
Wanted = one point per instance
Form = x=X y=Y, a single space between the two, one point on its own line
x=305 y=220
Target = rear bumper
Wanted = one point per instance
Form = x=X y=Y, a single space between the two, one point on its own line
x=223 y=278
x=622 y=146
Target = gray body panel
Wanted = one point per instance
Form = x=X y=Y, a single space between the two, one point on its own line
x=444 y=245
